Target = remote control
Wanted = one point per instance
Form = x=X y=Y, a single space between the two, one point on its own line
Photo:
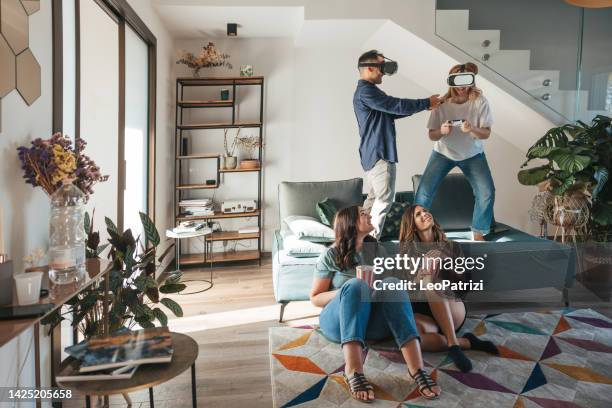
x=456 y=122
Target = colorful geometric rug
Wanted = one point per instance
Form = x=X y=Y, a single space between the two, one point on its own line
x=547 y=360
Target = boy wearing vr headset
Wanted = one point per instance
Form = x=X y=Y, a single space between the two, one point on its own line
x=376 y=113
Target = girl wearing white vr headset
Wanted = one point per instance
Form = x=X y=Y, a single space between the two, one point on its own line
x=458 y=127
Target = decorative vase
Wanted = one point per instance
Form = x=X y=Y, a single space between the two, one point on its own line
x=246 y=70
x=249 y=164
x=229 y=162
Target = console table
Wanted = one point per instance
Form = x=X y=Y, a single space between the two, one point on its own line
x=9 y=329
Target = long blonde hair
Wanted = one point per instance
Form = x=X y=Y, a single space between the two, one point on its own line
x=473 y=92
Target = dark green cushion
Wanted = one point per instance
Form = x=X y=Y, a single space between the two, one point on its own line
x=391 y=227
x=326 y=210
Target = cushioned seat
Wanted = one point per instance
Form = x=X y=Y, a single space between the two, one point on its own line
x=514 y=259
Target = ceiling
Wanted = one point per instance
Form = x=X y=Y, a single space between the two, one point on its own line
x=197 y=21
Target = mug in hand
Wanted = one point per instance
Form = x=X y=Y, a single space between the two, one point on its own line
x=366 y=273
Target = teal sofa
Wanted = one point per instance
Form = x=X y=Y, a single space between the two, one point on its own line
x=515 y=260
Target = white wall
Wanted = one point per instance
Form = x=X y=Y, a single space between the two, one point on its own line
x=310 y=127
x=26 y=210
x=164 y=183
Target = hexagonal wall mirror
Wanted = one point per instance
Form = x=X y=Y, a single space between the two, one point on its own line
x=19 y=68
x=28 y=77
x=31 y=6
x=14 y=24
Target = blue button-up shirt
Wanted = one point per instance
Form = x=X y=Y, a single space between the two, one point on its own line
x=376 y=113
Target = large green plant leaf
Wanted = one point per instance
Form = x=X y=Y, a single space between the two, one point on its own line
x=110 y=225
x=151 y=233
x=531 y=177
x=561 y=185
x=153 y=294
x=172 y=288
x=570 y=160
x=86 y=223
x=601 y=176
x=173 y=306
x=541 y=152
x=161 y=316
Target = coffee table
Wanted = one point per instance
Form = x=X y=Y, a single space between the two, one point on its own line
x=147 y=376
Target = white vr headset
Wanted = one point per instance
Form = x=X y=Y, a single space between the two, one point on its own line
x=461 y=79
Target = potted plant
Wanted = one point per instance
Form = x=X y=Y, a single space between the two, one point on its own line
x=578 y=161
x=134 y=293
x=249 y=144
x=209 y=57
x=229 y=160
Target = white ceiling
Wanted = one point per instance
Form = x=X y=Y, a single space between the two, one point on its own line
x=196 y=21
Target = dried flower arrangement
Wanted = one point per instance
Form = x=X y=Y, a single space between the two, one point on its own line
x=209 y=57
x=33 y=260
x=248 y=144
x=230 y=148
x=50 y=161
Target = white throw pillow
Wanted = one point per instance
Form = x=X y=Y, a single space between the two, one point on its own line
x=309 y=229
x=299 y=248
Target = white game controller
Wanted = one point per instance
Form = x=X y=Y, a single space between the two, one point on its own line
x=456 y=122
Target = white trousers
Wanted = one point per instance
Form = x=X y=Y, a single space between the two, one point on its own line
x=381 y=179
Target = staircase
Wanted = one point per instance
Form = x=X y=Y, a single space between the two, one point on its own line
x=544 y=85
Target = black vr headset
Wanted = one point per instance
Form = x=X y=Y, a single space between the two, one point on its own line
x=461 y=79
x=388 y=67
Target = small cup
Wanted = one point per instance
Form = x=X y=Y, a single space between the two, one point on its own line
x=28 y=287
x=366 y=273
x=225 y=94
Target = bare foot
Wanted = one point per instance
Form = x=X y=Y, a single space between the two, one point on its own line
x=477 y=236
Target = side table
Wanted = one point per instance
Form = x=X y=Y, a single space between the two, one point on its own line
x=177 y=238
x=147 y=376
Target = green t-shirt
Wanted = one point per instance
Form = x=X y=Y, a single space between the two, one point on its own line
x=326 y=267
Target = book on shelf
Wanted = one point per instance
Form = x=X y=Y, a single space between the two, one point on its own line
x=187 y=227
x=196 y=202
x=146 y=346
x=249 y=230
x=72 y=373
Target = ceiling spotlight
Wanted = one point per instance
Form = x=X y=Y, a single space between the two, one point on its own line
x=232 y=30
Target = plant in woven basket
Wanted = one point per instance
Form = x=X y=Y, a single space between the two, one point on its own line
x=134 y=294
x=208 y=57
x=578 y=161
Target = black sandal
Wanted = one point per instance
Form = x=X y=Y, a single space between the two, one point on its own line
x=424 y=381
x=358 y=383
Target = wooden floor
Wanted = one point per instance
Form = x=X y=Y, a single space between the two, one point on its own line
x=230 y=322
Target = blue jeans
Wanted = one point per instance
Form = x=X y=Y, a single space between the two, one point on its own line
x=476 y=170
x=358 y=313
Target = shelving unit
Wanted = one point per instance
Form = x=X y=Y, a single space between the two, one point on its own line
x=182 y=186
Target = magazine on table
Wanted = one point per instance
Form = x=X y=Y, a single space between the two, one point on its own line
x=146 y=346
x=72 y=373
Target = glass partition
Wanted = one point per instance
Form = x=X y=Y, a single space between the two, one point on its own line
x=556 y=53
